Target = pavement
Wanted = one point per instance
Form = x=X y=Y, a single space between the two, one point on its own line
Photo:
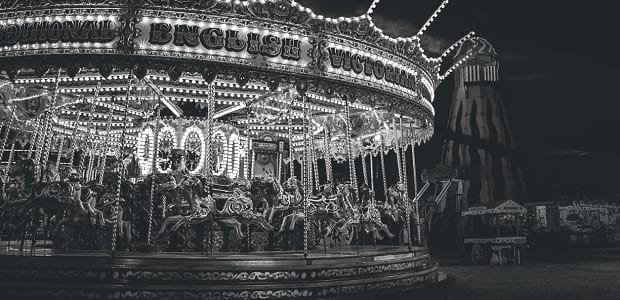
x=581 y=274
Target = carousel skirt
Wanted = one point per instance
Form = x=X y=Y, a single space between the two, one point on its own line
x=338 y=273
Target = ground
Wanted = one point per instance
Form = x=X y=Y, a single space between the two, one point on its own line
x=584 y=274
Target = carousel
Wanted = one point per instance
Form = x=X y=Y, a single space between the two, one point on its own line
x=210 y=149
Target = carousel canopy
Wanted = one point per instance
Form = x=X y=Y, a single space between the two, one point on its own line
x=106 y=66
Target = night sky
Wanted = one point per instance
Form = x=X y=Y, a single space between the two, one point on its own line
x=558 y=76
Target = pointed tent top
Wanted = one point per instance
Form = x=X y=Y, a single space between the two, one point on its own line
x=477 y=46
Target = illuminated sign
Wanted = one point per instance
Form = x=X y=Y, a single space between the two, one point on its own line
x=213 y=38
x=231 y=40
x=360 y=64
x=264 y=146
x=66 y=31
x=227 y=153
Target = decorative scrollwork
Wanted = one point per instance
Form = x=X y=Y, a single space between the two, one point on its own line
x=184 y=4
x=17 y=4
x=128 y=31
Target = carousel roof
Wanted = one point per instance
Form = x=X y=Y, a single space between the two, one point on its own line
x=136 y=64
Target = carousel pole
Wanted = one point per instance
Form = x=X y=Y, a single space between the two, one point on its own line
x=327 y=157
x=35 y=135
x=48 y=129
x=9 y=163
x=383 y=175
x=415 y=193
x=365 y=171
x=304 y=173
x=398 y=157
x=39 y=144
x=315 y=170
x=352 y=173
x=251 y=158
x=51 y=139
x=5 y=138
x=209 y=159
x=108 y=147
x=43 y=146
x=372 y=175
x=279 y=171
x=404 y=194
x=384 y=178
x=291 y=160
x=91 y=164
x=121 y=167
x=210 y=129
x=61 y=144
x=88 y=144
x=373 y=202
x=149 y=231
x=75 y=136
x=250 y=153
x=364 y=168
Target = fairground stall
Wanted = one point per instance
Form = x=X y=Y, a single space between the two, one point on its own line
x=186 y=149
x=494 y=233
x=576 y=224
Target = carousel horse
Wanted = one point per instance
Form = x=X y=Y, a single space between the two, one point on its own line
x=393 y=207
x=181 y=184
x=322 y=208
x=322 y=212
x=65 y=201
x=289 y=200
x=263 y=191
x=237 y=209
x=288 y=197
x=365 y=217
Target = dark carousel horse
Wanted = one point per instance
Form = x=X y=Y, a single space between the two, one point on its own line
x=65 y=202
x=364 y=217
x=237 y=209
x=393 y=210
x=323 y=210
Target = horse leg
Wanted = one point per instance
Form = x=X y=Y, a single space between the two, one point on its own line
x=238 y=232
x=35 y=225
x=23 y=238
x=46 y=227
x=235 y=228
x=386 y=230
x=127 y=228
x=283 y=225
x=294 y=220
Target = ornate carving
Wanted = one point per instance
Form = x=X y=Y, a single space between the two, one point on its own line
x=263 y=292
x=183 y=4
x=128 y=32
x=19 y=4
x=258 y=276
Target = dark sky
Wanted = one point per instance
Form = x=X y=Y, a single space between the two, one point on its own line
x=558 y=64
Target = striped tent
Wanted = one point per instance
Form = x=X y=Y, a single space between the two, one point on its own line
x=478 y=135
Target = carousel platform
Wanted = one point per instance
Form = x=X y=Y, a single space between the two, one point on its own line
x=284 y=275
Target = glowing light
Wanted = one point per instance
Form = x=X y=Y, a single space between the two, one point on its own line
x=220 y=138
x=203 y=147
x=167 y=134
x=146 y=150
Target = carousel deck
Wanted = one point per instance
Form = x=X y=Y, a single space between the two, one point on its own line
x=96 y=275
